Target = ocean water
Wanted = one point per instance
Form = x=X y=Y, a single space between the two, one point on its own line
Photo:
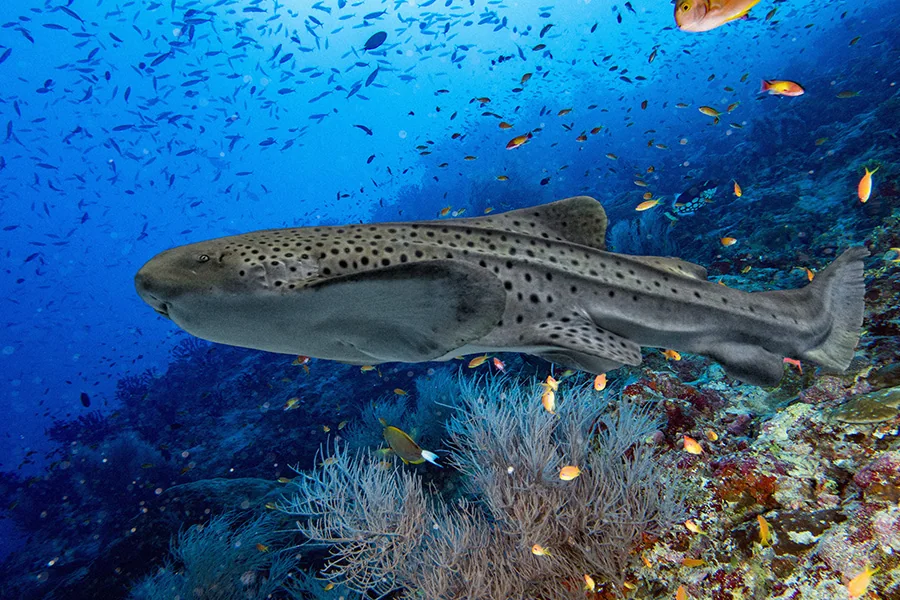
x=129 y=128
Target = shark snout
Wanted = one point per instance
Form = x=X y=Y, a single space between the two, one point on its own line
x=149 y=293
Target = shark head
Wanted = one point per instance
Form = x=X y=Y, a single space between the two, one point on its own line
x=198 y=284
x=329 y=292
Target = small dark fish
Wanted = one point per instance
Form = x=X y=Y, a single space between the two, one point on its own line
x=364 y=128
x=368 y=161
x=85 y=400
x=5 y=55
x=545 y=181
x=375 y=41
x=375 y=15
x=545 y=29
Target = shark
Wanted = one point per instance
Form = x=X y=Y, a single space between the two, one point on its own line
x=536 y=280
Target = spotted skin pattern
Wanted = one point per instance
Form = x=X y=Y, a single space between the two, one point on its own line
x=533 y=280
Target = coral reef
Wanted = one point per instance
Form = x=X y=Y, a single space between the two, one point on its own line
x=385 y=532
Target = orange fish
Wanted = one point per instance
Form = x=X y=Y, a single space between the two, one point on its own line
x=600 y=382
x=864 y=189
x=563 y=112
x=518 y=141
x=589 y=584
x=262 y=547
x=525 y=78
x=569 y=472
x=765 y=532
x=671 y=355
x=692 y=446
x=445 y=211
x=693 y=527
x=728 y=241
x=539 y=550
x=478 y=361
x=647 y=205
x=809 y=274
x=551 y=383
x=400 y=392
x=596 y=130
x=300 y=360
x=693 y=562
x=498 y=364
x=505 y=125
x=737 y=190
x=681 y=593
x=859 y=584
x=548 y=399
x=704 y=15
x=795 y=362
x=780 y=87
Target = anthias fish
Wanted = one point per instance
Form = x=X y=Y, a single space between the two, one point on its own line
x=537 y=280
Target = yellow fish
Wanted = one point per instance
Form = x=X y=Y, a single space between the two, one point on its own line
x=478 y=361
x=765 y=532
x=589 y=584
x=737 y=190
x=709 y=111
x=403 y=446
x=728 y=241
x=692 y=446
x=704 y=15
x=864 y=189
x=672 y=355
x=548 y=399
x=569 y=472
x=647 y=205
x=539 y=550
x=859 y=584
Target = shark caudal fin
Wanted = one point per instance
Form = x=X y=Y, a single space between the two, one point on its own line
x=841 y=285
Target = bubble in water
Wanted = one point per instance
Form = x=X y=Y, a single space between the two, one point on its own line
x=686 y=163
x=402 y=134
x=176 y=32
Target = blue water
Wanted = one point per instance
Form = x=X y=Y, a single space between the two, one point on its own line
x=127 y=128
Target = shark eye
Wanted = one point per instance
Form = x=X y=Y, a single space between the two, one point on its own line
x=203 y=258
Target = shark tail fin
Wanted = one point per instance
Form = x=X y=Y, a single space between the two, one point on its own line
x=843 y=289
x=430 y=457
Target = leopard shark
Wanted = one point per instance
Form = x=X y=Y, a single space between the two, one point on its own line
x=535 y=280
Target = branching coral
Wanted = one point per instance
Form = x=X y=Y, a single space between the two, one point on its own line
x=385 y=533
x=220 y=561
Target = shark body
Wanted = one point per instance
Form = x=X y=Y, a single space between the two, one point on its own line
x=535 y=280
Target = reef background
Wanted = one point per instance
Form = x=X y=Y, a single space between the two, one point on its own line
x=132 y=129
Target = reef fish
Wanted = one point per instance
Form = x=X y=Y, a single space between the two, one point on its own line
x=694 y=198
x=403 y=446
x=703 y=15
x=536 y=280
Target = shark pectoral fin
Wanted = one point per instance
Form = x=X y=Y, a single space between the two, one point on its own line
x=748 y=363
x=410 y=312
x=579 y=219
x=673 y=265
x=582 y=345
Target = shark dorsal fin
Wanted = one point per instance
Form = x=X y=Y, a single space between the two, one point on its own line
x=676 y=266
x=580 y=220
